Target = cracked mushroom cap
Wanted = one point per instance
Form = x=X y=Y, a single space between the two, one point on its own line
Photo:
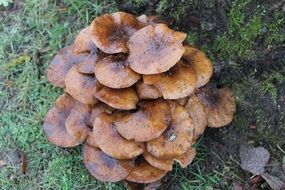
x=81 y=86
x=185 y=159
x=145 y=173
x=122 y=99
x=219 y=105
x=177 y=138
x=97 y=110
x=197 y=112
x=54 y=122
x=111 y=142
x=149 y=122
x=61 y=64
x=178 y=82
x=147 y=91
x=103 y=167
x=83 y=42
x=114 y=71
x=199 y=61
x=111 y=32
x=155 y=49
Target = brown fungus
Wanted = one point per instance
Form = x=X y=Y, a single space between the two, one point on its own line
x=83 y=42
x=147 y=91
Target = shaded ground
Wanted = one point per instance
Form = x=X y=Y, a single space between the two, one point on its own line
x=244 y=39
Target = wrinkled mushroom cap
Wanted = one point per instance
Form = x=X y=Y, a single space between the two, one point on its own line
x=178 y=82
x=115 y=72
x=81 y=86
x=54 y=123
x=111 y=32
x=61 y=64
x=199 y=61
x=123 y=99
x=147 y=91
x=185 y=159
x=103 y=167
x=149 y=122
x=145 y=173
x=177 y=138
x=163 y=164
x=196 y=110
x=111 y=142
x=83 y=42
x=97 y=110
x=219 y=105
x=155 y=49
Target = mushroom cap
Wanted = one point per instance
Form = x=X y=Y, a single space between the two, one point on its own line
x=149 y=122
x=81 y=86
x=115 y=72
x=145 y=173
x=177 y=138
x=111 y=32
x=76 y=122
x=97 y=110
x=197 y=112
x=153 y=19
x=201 y=64
x=111 y=142
x=182 y=101
x=90 y=141
x=61 y=64
x=103 y=167
x=155 y=49
x=178 y=82
x=83 y=42
x=54 y=123
x=123 y=99
x=147 y=91
x=219 y=105
x=185 y=159
x=163 y=164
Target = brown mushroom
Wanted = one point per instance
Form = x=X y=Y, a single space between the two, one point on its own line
x=196 y=110
x=177 y=138
x=61 y=64
x=111 y=142
x=199 y=61
x=155 y=49
x=115 y=72
x=123 y=99
x=54 y=123
x=111 y=32
x=163 y=164
x=103 y=167
x=97 y=110
x=81 y=86
x=149 y=122
x=83 y=42
x=185 y=159
x=219 y=105
x=145 y=173
x=90 y=141
x=147 y=91
x=178 y=82
x=182 y=101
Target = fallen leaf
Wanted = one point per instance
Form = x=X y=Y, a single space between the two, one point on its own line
x=24 y=162
x=253 y=159
x=274 y=182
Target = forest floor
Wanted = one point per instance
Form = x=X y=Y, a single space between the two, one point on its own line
x=245 y=39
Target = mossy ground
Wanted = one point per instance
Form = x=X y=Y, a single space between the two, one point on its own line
x=243 y=38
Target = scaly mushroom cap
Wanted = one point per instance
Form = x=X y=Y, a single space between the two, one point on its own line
x=54 y=123
x=115 y=72
x=199 y=61
x=83 y=42
x=81 y=86
x=123 y=99
x=97 y=110
x=147 y=91
x=111 y=32
x=155 y=49
x=61 y=64
x=90 y=141
x=145 y=173
x=163 y=164
x=219 y=105
x=149 y=122
x=76 y=122
x=196 y=110
x=178 y=82
x=111 y=142
x=177 y=138
x=185 y=159
x=103 y=167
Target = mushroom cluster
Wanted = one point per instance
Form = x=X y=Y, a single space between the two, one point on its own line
x=135 y=96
